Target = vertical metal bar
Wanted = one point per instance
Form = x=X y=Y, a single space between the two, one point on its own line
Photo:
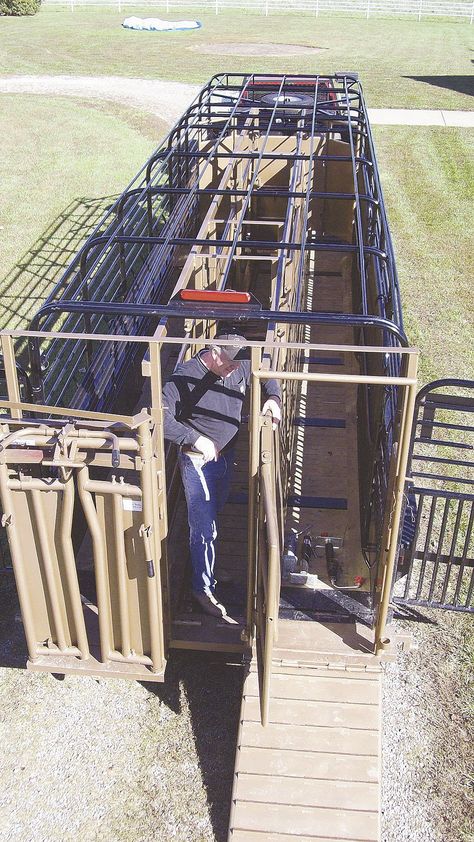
x=404 y=447
x=65 y=530
x=160 y=502
x=124 y=609
x=11 y=376
x=100 y=564
x=19 y=563
x=246 y=201
x=471 y=588
x=269 y=634
x=464 y=557
x=153 y=580
x=254 y=435
x=426 y=549
x=421 y=503
x=452 y=551
x=36 y=377
x=358 y=215
x=51 y=582
x=442 y=531
x=159 y=449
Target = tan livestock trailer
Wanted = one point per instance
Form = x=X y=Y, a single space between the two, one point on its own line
x=261 y=210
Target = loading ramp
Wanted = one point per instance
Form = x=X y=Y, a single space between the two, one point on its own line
x=313 y=772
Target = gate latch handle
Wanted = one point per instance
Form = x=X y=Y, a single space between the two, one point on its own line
x=145 y=532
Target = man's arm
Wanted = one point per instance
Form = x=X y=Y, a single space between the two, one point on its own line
x=272 y=389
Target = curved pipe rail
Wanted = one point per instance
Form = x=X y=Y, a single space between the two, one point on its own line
x=108 y=308
x=256 y=244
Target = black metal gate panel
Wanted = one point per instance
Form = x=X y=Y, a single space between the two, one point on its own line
x=436 y=561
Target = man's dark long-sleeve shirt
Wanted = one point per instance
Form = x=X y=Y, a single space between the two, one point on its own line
x=197 y=402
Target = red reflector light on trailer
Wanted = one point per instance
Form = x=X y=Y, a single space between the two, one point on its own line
x=212 y=296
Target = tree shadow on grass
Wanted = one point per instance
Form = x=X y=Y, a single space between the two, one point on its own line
x=461 y=84
x=213 y=690
x=25 y=288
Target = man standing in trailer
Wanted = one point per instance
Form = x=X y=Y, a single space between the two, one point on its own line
x=202 y=405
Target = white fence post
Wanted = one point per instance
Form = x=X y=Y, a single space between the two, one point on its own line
x=217 y=7
x=167 y=6
x=420 y=9
x=368 y=9
x=317 y=8
x=266 y=8
x=472 y=14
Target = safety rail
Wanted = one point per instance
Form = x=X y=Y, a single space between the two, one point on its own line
x=269 y=540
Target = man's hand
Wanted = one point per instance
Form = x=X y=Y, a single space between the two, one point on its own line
x=274 y=407
x=207 y=448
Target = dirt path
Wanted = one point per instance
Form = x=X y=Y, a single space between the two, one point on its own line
x=168 y=100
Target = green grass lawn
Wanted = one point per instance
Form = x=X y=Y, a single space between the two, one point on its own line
x=428 y=177
x=386 y=52
x=61 y=163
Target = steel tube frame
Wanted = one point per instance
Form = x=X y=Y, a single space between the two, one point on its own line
x=402 y=458
x=216 y=312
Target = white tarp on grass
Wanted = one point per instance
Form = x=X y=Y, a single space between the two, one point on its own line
x=158 y=25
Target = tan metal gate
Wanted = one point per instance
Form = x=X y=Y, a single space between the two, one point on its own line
x=105 y=477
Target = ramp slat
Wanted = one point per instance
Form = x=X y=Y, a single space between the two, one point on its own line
x=307 y=764
x=319 y=688
x=306 y=792
x=311 y=738
x=328 y=714
x=283 y=818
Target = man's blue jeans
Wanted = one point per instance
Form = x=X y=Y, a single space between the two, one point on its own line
x=206 y=486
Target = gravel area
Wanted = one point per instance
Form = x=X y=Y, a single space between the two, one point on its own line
x=110 y=760
x=133 y=762
x=428 y=732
